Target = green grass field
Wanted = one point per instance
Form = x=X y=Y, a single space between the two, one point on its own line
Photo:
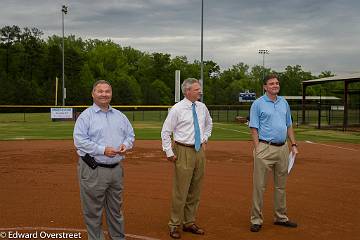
x=39 y=126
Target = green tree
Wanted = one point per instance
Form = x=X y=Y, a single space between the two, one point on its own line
x=144 y=77
x=29 y=66
x=211 y=75
x=161 y=94
x=32 y=64
x=239 y=73
x=84 y=86
x=291 y=79
x=126 y=90
x=9 y=35
x=256 y=76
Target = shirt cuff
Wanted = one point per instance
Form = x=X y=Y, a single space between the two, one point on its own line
x=169 y=153
x=127 y=145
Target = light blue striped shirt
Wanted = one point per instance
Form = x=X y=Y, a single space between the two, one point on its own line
x=95 y=129
x=271 y=119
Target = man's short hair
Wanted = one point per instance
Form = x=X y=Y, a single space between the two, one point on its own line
x=188 y=83
x=270 y=76
x=100 y=82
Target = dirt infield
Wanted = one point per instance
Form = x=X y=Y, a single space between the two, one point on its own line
x=39 y=188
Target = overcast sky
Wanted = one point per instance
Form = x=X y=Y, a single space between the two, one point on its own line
x=319 y=35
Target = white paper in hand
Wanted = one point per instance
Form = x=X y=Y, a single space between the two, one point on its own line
x=291 y=161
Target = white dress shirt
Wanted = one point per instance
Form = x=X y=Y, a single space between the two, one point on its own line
x=180 y=122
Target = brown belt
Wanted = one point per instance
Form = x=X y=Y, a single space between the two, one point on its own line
x=272 y=143
x=186 y=145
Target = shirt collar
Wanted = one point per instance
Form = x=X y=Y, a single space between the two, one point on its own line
x=188 y=102
x=267 y=99
x=97 y=108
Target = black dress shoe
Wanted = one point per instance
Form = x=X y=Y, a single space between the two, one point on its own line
x=255 y=227
x=287 y=224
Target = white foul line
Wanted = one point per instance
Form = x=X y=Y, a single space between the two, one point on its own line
x=327 y=145
x=69 y=230
x=234 y=130
x=141 y=237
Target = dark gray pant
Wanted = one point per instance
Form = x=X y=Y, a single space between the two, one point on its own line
x=102 y=188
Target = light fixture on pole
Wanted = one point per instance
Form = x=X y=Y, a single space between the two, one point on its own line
x=64 y=11
x=202 y=50
x=263 y=52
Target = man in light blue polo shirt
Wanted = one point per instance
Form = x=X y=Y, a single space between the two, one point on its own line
x=270 y=124
x=102 y=135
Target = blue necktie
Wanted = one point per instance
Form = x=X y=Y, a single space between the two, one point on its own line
x=196 y=128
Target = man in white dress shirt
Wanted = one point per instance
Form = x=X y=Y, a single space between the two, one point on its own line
x=190 y=123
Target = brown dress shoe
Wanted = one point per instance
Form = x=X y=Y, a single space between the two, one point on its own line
x=175 y=233
x=193 y=228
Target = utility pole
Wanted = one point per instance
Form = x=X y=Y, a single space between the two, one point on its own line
x=64 y=11
x=263 y=52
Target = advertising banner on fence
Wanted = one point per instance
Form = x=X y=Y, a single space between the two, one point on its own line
x=61 y=113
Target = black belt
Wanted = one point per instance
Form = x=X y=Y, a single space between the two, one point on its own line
x=272 y=143
x=186 y=145
x=107 y=165
x=90 y=161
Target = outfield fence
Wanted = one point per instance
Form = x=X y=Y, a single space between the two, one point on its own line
x=316 y=115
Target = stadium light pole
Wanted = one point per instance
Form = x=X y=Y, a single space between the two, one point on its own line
x=263 y=52
x=64 y=11
x=202 y=51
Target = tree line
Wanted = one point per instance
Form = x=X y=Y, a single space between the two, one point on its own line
x=29 y=66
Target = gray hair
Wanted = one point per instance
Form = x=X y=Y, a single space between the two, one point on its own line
x=188 y=83
x=100 y=82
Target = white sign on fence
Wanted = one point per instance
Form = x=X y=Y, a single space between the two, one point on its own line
x=61 y=113
x=339 y=108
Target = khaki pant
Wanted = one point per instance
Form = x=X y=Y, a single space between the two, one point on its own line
x=188 y=174
x=266 y=158
x=102 y=188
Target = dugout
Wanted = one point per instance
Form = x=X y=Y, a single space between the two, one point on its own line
x=346 y=79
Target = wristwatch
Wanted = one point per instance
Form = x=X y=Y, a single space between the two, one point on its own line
x=294 y=145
